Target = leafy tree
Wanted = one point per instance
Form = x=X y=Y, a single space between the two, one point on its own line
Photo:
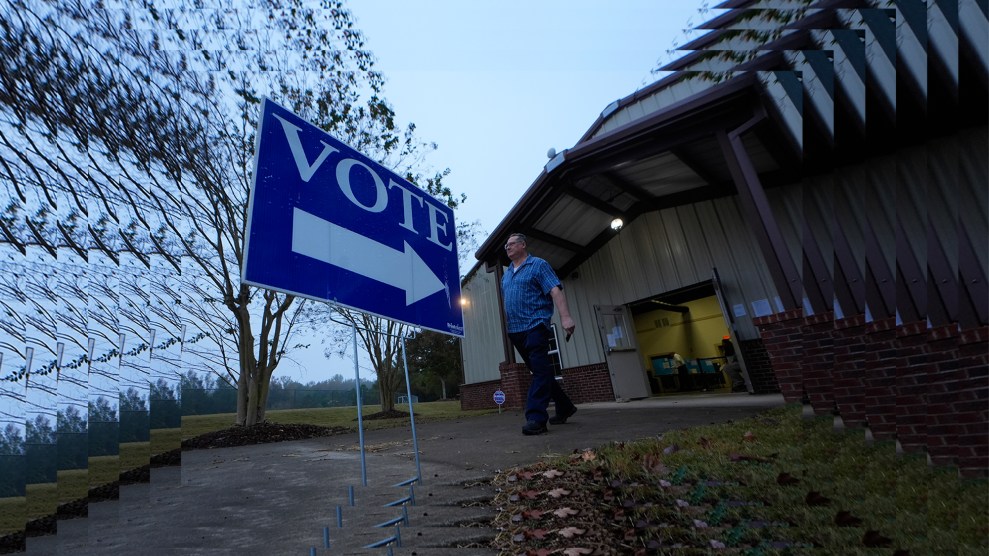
x=174 y=181
x=11 y=440
x=162 y=390
x=71 y=420
x=100 y=411
x=131 y=400
x=435 y=361
x=39 y=430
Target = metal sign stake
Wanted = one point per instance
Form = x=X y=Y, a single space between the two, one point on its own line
x=412 y=417
x=360 y=415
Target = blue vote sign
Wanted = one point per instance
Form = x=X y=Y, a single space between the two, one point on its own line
x=328 y=223
x=499 y=397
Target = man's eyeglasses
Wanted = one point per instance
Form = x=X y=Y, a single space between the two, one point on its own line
x=511 y=243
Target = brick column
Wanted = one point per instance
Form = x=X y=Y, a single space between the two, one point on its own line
x=912 y=378
x=817 y=337
x=941 y=423
x=971 y=405
x=880 y=378
x=850 y=346
x=515 y=381
x=781 y=336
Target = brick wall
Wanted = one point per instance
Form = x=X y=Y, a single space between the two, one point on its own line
x=588 y=383
x=941 y=423
x=971 y=404
x=515 y=381
x=817 y=368
x=880 y=378
x=781 y=336
x=479 y=395
x=850 y=346
x=912 y=373
x=927 y=388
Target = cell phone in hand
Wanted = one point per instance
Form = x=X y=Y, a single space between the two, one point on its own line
x=567 y=339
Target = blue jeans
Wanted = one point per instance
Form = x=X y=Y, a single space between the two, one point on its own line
x=534 y=346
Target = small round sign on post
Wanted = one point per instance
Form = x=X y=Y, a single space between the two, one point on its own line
x=499 y=398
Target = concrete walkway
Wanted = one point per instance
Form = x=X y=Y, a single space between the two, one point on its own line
x=282 y=498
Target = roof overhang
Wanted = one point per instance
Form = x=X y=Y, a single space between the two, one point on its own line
x=664 y=160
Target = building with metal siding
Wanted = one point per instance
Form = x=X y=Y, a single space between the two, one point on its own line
x=482 y=320
x=834 y=175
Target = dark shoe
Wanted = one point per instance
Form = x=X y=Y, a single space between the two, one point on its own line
x=561 y=418
x=532 y=428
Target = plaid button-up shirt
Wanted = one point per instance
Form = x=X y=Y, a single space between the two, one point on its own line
x=526 y=293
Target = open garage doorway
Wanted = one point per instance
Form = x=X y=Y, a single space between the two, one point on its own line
x=685 y=342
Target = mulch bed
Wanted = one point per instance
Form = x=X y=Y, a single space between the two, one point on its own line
x=259 y=434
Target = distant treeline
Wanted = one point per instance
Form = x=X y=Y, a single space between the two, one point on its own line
x=205 y=394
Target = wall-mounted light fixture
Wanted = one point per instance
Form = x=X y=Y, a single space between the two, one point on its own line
x=463 y=302
x=617 y=224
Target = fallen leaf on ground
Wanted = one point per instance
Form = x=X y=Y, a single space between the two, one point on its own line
x=536 y=533
x=846 y=519
x=577 y=551
x=748 y=436
x=786 y=479
x=588 y=455
x=565 y=512
x=570 y=532
x=552 y=474
x=530 y=494
x=558 y=492
x=532 y=514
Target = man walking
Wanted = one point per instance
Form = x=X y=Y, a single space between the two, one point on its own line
x=530 y=288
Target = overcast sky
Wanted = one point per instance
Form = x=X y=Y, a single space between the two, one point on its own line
x=498 y=83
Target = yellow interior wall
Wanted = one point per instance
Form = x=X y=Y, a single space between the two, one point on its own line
x=694 y=334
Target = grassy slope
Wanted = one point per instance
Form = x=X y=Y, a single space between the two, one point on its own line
x=777 y=483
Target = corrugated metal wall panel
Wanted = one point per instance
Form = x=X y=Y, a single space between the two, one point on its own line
x=973 y=214
x=787 y=204
x=482 y=348
x=700 y=254
x=881 y=186
x=670 y=249
x=745 y=277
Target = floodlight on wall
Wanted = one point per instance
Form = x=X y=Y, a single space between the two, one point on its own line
x=617 y=224
x=463 y=302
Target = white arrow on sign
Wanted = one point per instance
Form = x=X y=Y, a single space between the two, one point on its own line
x=324 y=241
